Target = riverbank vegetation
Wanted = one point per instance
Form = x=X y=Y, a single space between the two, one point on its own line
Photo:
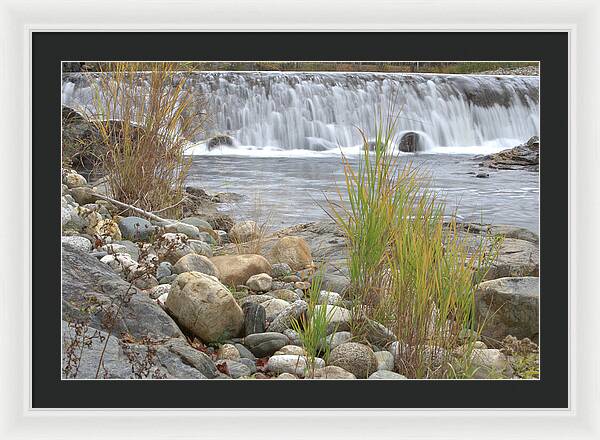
x=144 y=124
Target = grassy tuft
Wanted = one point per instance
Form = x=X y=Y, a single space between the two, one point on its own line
x=410 y=269
x=145 y=121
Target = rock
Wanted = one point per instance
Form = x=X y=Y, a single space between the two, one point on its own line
x=339 y=318
x=258 y=299
x=168 y=279
x=235 y=369
x=122 y=264
x=82 y=244
x=516 y=258
x=293 y=337
x=183 y=228
x=385 y=360
x=220 y=221
x=355 y=358
x=123 y=247
x=293 y=251
x=291 y=279
x=254 y=318
x=164 y=270
x=509 y=306
x=302 y=285
x=205 y=307
x=326 y=297
x=251 y=364
x=159 y=290
x=106 y=228
x=286 y=376
x=136 y=228
x=482 y=175
x=144 y=282
x=274 y=307
x=280 y=270
x=291 y=364
x=411 y=142
x=74 y=180
x=490 y=364
x=285 y=294
x=335 y=283
x=116 y=363
x=83 y=195
x=265 y=344
x=197 y=222
x=195 y=263
x=338 y=338
x=333 y=372
x=190 y=356
x=521 y=157
x=245 y=353
x=228 y=351
x=218 y=141
x=236 y=269
x=260 y=283
x=378 y=334
x=171 y=247
x=386 y=375
x=290 y=350
x=89 y=284
x=200 y=247
x=284 y=319
x=243 y=232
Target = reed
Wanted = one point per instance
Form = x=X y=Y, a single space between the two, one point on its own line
x=410 y=269
x=146 y=121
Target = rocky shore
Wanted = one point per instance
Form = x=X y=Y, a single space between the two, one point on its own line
x=521 y=157
x=186 y=299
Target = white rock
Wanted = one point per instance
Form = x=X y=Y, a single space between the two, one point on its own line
x=273 y=307
x=260 y=283
x=80 y=243
x=292 y=364
x=326 y=297
x=385 y=360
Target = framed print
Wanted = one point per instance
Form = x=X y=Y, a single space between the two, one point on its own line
x=251 y=223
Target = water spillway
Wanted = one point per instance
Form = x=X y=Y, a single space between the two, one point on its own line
x=323 y=111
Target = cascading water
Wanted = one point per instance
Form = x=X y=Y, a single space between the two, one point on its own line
x=321 y=111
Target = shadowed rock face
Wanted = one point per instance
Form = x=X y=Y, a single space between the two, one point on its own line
x=89 y=287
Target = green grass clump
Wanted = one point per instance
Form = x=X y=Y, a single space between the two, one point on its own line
x=313 y=325
x=410 y=268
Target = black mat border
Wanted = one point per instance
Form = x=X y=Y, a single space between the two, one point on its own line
x=49 y=48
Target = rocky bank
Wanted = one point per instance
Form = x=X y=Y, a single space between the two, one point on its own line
x=176 y=299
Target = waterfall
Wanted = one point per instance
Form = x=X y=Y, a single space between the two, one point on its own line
x=321 y=111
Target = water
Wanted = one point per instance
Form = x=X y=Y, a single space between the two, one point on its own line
x=287 y=130
x=291 y=188
x=321 y=111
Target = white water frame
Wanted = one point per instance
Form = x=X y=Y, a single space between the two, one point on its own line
x=18 y=18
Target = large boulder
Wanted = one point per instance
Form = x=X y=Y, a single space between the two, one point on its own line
x=516 y=258
x=171 y=359
x=509 y=306
x=205 y=307
x=236 y=269
x=355 y=358
x=92 y=291
x=195 y=263
x=293 y=251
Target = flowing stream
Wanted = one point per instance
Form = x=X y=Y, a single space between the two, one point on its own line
x=283 y=132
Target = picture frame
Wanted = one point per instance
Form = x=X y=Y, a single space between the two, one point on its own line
x=578 y=18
